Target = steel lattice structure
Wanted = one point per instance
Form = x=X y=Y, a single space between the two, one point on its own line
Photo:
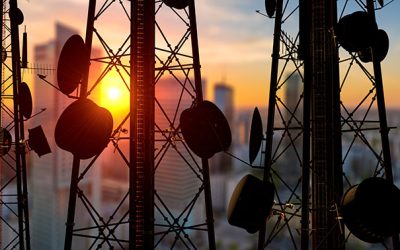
x=314 y=139
x=13 y=185
x=153 y=54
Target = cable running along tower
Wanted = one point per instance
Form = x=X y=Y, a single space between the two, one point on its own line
x=162 y=187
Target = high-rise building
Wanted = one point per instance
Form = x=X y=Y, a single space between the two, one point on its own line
x=174 y=179
x=176 y=175
x=293 y=117
x=50 y=175
x=293 y=89
x=223 y=98
x=221 y=163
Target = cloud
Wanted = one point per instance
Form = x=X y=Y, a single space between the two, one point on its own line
x=234 y=33
x=226 y=28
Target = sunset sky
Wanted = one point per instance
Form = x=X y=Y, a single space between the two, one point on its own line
x=235 y=42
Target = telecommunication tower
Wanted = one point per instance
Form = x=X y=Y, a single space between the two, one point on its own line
x=337 y=189
x=14 y=200
x=163 y=187
x=16 y=108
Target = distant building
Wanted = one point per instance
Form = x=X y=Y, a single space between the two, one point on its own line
x=176 y=181
x=293 y=116
x=50 y=175
x=293 y=91
x=221 y=163
x=223 y=98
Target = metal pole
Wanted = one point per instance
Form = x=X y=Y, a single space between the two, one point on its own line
x=88 y=43
x=76 y=161
x=142 y=124
x=326 y=134
x=149 y=137
x=16 y=82
x=132 y=129
x=271 y=106
x=199 y=97
x=384 y=130
x=72 y=204
x=24 y=184
x=304 y=26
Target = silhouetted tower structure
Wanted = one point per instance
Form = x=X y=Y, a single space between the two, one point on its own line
x=321 y=72
x=147 y=57
x=315 y=206
x=16 y=105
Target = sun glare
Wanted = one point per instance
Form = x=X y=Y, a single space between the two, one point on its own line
x=114 y=96
x=113 y=93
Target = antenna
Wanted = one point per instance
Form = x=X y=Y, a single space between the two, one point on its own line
x=24 y=62
x=41 y=69
x=205 y=129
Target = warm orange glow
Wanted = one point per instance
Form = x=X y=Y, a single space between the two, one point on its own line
x=114 y=95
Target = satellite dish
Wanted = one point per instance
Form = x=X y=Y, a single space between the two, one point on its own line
x=250 y=204
x=16 y=16
x=5 y=140
x=37 y=141
x=356 y=32
x=177 y=4
x=72 y=63
x=25 y=100
x=380 y=45
x=256 y=135
x=205 y=129
x=370 y=210
x=84 y=129
x=270 y=7
x=3 y=54
x=365 y=55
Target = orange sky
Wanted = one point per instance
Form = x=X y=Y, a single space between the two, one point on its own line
x=235 y=43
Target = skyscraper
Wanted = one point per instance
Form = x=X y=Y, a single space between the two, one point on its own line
x=221 y=163
x=293 y=89
x=223 y=98
x=176 y=176
x=292 y=135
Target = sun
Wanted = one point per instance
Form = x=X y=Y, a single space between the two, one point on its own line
x=113 y=93
x=114 y=97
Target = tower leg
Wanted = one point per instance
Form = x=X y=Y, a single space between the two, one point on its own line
x=384 y=130
x=72 y=204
